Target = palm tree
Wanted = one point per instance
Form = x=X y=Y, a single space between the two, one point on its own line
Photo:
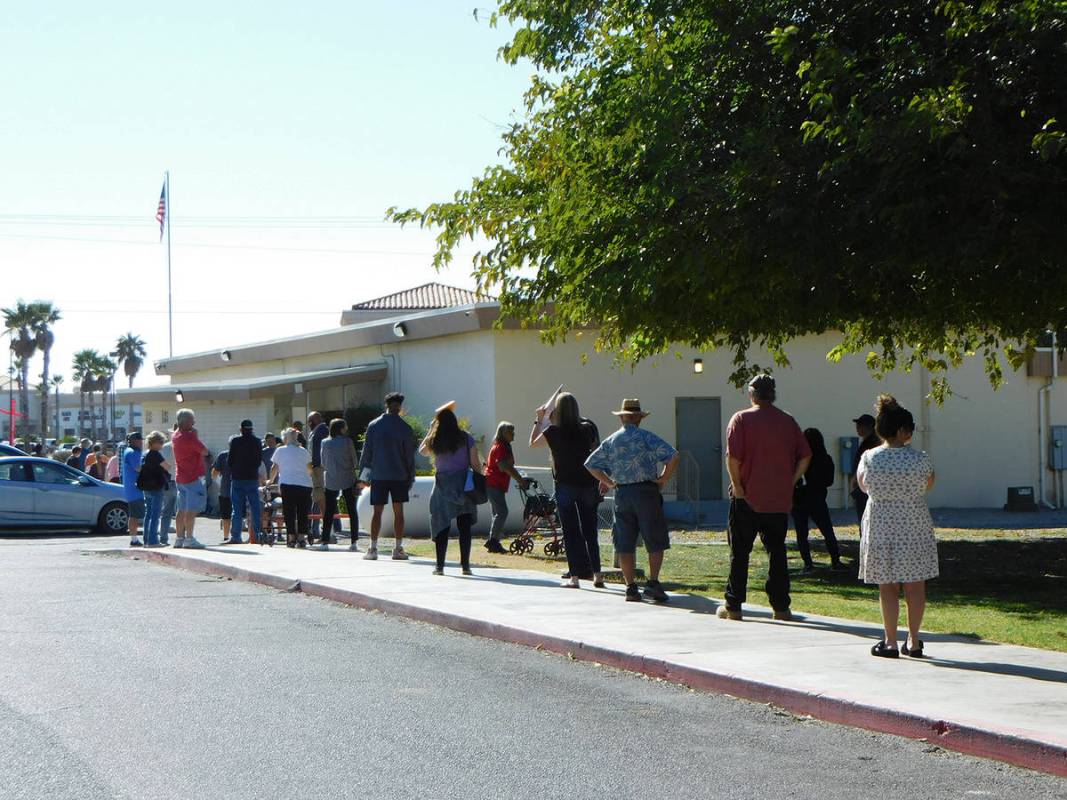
x=45 y=315
x=56 y=382
x=84 y=375
x=130 y=352
x=19 y=322
x=105 y=376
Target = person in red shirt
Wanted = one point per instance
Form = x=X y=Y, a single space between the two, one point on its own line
x=499 y=470
x=189 y=468
x=766 y=455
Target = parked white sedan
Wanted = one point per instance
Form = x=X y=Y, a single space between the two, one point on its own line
x=42 y=494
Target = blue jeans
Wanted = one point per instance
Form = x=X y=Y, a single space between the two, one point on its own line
x=170 y=501
x=576 y=507
x=242 y=492
x=153 y=508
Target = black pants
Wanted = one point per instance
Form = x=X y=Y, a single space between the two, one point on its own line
x=817 y=511
x=861 y=504
x=745 y=524
x=464 y=522
x=576 y=508
x=349 y=495
x=296 y=506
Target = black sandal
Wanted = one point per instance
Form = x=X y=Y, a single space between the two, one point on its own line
x=916 y=652
x=882 y=651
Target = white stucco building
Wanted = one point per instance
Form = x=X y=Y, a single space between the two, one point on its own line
x=435 y=343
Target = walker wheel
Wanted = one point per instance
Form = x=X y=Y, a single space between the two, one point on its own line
x=552 y=548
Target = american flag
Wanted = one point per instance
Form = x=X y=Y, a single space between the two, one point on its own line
x=161 y=212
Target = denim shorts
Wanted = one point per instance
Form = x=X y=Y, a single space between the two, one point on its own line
x=136 y=508
x=639 y=512
x=192 y=496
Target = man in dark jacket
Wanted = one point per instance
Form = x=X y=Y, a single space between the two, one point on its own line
x=868 y=439
x=245 y=460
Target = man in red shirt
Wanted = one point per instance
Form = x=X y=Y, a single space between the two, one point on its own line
x=766 y=454
x=189 y=454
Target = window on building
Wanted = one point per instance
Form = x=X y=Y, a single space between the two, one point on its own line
x=164 y=417
x=148 y=416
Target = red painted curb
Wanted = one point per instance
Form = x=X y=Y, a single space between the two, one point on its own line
x=1001 y=746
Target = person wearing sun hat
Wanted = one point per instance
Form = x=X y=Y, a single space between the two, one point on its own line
x=629 y=461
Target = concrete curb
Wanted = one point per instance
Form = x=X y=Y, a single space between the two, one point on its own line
x=1001 y=745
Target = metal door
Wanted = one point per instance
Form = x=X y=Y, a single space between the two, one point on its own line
x=698 y=423
x=16 y=494
x=60 y=497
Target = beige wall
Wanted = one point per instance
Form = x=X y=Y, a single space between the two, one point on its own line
x=981 y=441
x=216 y=421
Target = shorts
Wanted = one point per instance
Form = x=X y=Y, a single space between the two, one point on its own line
x=192 y=496
x=225 y=507
x=136 y=509
x=639 y=512
x=380 y=492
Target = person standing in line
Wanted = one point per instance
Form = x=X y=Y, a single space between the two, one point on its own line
x=766 y=457
x=571 y=438
x=291 y=470
x=246 y=463
x=339 y=463
x=389 y=456
x=868 y=440
x=897 y=544
x=96 y=463
x=809 y=502
x=454 y=454
x=220 y=471
x=86 y=449
x=499 y=470
x=170 y=493
x=75 y=458
x=629 y=461
x=189 y=468
x=318 y=431
x=298 y=426
x=152 y=480
x=131 y=466
x=270 y=444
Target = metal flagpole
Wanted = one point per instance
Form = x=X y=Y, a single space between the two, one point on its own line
x=170 y=301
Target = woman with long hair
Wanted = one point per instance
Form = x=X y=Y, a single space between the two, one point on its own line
x=570 y=439
x=454 y=453
x=499 y=470
x=809 y=502
x=897 y=544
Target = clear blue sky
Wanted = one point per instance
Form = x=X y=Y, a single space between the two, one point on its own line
x=259 y=110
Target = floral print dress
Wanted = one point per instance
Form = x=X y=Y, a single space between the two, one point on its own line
x=897 y=543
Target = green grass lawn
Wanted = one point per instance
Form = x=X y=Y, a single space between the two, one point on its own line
x=999 y=585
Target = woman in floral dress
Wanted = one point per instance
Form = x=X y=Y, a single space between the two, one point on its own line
x=897 y=544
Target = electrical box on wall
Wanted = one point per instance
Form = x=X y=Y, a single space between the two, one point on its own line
x=847 y=447
x=1057 y=447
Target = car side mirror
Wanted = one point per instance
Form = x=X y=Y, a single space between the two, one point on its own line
x=85 y=482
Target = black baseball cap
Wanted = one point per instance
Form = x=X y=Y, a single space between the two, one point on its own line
x=864 y=419
x=246 y=425
x=394 y=397
x=134 y=436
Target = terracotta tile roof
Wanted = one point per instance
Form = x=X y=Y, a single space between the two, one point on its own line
x=427 y=296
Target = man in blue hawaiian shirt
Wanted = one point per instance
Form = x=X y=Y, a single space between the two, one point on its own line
x=629 y=461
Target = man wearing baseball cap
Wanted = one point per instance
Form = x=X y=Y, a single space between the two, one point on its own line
x=387 y=465
x=868 y=439
x=766 y=454
x=131 y=465
x=245 y=461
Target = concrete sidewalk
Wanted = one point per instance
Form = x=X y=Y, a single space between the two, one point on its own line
x=999 y=701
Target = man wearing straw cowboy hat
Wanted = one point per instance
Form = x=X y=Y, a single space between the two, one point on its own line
x=629 y=461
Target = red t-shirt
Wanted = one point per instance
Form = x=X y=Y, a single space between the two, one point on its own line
x=188 y=456
x=494 y=476
x=769 y=444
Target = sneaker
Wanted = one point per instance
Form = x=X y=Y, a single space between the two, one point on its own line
x=192 y=544
x=321 y=547
x=179 y=542
x=784 y=616
x=136 y=543
x=840 y=567
x=494 y=546
x=570 y=583
x=157 y=545
x=301 y=544
x=728 y=613
x=633 y=594
x=371 y=554
x=231 y=540
x=467 y=571
x=438 y=571
x=654 y=592
x=399 y=554
x=354 y=547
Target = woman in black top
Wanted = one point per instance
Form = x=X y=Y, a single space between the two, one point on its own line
x=809 y=501
x=152 y=480
x=571 y=438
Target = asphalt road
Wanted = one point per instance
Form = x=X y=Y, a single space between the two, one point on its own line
x=129 y=680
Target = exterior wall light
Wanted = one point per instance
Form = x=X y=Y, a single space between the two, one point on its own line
x=698 y=365
x=226 y=355
x=400 y=330
x=179 y=396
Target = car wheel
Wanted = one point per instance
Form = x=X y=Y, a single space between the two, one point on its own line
x=114 y=519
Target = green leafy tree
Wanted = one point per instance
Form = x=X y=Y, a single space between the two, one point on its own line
x=738 y=174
